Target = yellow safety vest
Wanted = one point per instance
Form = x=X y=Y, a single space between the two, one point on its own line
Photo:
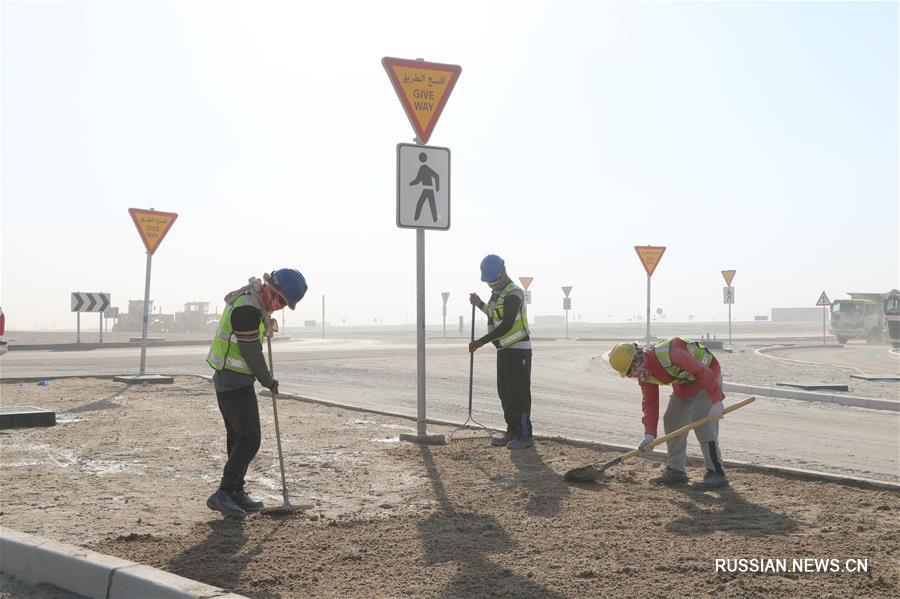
x=225 y=353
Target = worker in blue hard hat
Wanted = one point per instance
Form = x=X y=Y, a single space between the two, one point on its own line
x=508 y=331
x=236 y=356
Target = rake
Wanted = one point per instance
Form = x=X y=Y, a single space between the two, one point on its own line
x=287 y=506
x=470 y=418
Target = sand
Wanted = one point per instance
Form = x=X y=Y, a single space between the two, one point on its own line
x=127 y=471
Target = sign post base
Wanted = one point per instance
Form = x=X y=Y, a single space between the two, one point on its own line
x=423 y=439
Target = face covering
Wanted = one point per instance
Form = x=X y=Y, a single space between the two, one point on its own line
x=272 y=301
x=639 y=368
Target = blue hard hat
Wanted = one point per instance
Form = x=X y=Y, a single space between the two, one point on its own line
x=291 y=283
x=491 y=267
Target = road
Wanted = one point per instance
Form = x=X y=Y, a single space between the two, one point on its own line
x=867 y=359
x=575 y=395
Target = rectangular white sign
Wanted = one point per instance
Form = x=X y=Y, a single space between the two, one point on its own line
x=423 y=187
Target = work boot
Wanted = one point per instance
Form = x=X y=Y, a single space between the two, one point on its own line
x=502 y=441
x=244 y=501
x=670 y=477
x=221 y=501
x=521 y=443
x=712 y=480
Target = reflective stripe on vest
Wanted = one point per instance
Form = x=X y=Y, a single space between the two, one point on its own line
x=225 y=353
x=662 y=352
x=495 y=312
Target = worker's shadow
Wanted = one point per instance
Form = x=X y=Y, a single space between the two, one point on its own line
x=467 y=538
x=547 y=491
x=726 y=510
x=220 y=559
x=98 y=404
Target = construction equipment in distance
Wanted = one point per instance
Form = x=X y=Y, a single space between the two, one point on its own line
x=874 y=317
x=194 y=319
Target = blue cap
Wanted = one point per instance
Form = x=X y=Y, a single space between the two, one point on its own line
x=491 y=267
x=291 y=283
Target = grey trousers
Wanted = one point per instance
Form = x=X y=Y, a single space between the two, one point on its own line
x=681 y=412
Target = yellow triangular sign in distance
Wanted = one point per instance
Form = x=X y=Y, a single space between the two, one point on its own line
x=729 y=276
x=650 y=256
x=823 y=300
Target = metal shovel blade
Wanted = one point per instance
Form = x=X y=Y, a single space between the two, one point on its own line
x=583 y=474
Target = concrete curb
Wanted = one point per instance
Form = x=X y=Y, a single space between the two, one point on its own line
x=116 y=344
x=769 y=468
x=34 y=560
x=870 y=403
x=35 y=379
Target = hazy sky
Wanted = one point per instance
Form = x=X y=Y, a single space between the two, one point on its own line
x=761 y=137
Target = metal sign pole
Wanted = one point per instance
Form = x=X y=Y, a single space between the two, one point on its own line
x=146 y=316
x=420 y=332
x=648 y=309
x=78 y=327
x=101 y=327
x=729 y=324
x=824 y=316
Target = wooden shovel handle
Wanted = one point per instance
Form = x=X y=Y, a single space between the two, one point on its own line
x=686 y=428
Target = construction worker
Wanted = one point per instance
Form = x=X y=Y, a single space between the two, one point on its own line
x=237 y=357
x=696 y=379
x=508 y=331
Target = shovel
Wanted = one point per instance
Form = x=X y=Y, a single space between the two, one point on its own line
x=591 y=472
x=287 y=506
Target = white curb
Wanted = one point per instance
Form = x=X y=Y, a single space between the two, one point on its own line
x=34 y=560
x=855 y=401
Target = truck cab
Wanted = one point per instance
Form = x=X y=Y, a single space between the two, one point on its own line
x=857 y=319
x=892 y=317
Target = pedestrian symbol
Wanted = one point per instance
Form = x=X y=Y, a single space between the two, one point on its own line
x=430 y=182
x=423 y=187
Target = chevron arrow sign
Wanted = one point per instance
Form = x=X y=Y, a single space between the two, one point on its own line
x=83 y=301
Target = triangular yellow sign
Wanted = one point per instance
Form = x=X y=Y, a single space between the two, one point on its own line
x=152 y=226
x=823 y=300
x=650 y=256
x=526 y=281
x=729 y=276
x=423 y=89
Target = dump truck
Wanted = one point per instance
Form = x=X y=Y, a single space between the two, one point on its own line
x=870 y=316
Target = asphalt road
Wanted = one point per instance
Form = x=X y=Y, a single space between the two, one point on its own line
x=868 y=359
x=574 y=391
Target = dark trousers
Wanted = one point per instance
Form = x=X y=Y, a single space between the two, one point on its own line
x=514 y=389
x=240 y=411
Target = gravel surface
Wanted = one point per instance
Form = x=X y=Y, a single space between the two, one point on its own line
x=127 y=470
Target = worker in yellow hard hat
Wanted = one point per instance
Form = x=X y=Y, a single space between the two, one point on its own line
x=696 y=379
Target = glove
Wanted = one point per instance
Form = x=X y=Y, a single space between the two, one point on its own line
x=648 y=439
x=715 y=411
x=274 y=387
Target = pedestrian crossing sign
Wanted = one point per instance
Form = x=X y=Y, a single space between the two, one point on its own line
x=823 y=300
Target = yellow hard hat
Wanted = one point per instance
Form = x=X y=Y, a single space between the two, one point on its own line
x=621 y=357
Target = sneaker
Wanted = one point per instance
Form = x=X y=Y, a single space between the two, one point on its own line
x=502 y=441
x=221 y=501
x=670 y=477
x=520 y=443
x=712 y=480
x=244 y=501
